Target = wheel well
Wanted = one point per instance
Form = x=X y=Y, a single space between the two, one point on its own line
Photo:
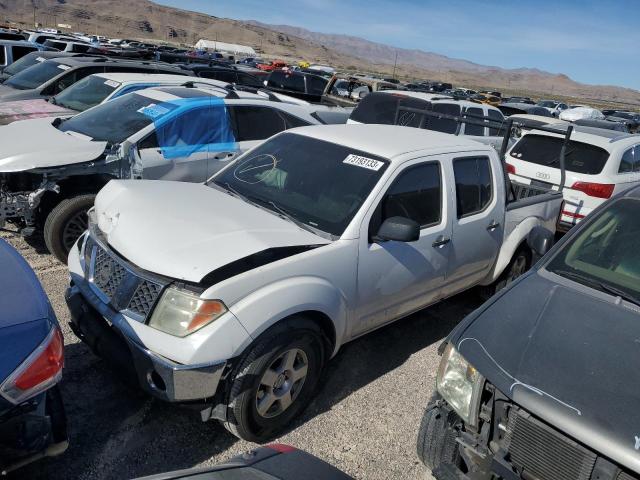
x=326 y=325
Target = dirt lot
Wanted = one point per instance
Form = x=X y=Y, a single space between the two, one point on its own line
x=364 y=419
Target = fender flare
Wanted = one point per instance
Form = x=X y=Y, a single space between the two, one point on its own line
x=263 y=308
x=510 y=246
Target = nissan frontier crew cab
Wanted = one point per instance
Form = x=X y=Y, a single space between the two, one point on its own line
x=233 y=294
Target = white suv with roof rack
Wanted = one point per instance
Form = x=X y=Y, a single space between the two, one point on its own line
x=50 y=170
x=599 y=163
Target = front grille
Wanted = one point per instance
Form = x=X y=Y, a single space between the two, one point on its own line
x=539 y=452
x=118 y=285
x=107 y=273
x=144 y=298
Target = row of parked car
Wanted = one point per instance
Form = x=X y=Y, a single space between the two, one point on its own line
x=223 y=245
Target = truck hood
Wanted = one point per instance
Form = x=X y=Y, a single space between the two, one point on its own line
x=25 y=109
x=566 y=355
x=36 y=143
x=187 y=230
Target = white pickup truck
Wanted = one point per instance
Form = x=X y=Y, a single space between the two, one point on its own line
x=234 y=294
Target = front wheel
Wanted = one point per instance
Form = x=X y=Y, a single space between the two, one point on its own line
x=518 y=266
x=275 y=381
x=65 y=223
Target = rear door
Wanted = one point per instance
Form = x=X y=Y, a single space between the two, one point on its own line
x=397 y=278
x=477 y=220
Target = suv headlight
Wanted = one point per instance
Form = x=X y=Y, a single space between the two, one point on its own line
x=181 y=313
x=459 y=383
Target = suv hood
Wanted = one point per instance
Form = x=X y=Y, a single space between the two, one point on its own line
x=568 y=355
x=36 y=143
x=25 y=109
x=187 y=230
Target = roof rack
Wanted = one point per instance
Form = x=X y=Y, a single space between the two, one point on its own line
x=473 y=119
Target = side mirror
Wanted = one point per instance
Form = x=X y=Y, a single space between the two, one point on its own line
x=540 y=241
x=362 y=94
x=398 y=229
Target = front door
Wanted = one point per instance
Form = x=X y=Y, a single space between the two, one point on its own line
x=396 y=278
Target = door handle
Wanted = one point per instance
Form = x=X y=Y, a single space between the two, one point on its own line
x=440 y=242
x=492 y=226
x=224 y=155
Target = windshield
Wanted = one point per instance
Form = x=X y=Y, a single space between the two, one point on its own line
x=25 y=62
x=117 y=120
x=546 y=104
x=318 y=184
x=36 y=75
x=606 y=254
x=87 y=93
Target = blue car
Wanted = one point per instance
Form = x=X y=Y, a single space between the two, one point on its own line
x=32 y=418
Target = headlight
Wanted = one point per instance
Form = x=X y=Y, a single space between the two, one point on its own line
x=180 y=312
x=459 y=383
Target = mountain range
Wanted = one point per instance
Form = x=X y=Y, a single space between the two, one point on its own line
x=147 y=20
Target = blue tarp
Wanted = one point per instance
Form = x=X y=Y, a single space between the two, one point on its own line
x=189 y=125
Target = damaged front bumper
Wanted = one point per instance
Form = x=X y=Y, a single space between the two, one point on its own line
x=103 y=329
x=22 y=205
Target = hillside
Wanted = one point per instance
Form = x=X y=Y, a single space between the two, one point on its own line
x=117 y=18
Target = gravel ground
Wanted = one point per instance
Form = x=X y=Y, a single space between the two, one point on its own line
x=364 y=419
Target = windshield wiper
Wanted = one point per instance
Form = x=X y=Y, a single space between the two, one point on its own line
x=235 y=192
x=603 y=287
x=52 y=100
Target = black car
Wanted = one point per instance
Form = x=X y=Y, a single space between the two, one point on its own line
x=226 y=74
x=508 y=109
x=31 y=59
x=305 y=86
x=631 y=119
x=272 y=462
x=526 y=100
x=541 y=382
x=52 y=76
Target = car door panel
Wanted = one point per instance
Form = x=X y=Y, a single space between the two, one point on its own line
x=477 y=223
x=397 y=278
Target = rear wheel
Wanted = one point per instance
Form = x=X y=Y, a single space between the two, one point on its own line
x=275 y=381
x=65 y=223
x=518 y=266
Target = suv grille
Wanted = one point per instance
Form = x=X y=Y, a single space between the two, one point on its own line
x=543 y=453
x=118 y=285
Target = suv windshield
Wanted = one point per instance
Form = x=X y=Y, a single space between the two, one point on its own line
x=117 y=120
x=545 y=150
x=25 y=62
x=318 y=184
x=87 y=93
x=36 y=75
x=606 y=254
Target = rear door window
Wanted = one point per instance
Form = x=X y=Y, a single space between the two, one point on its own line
x=3 y=55
x=222 y=75
x=286 y=81
x=19 y=52
x=256 y=123
x=630 y=161
x=496 y=116
x=316 y=85
x=544 y=150
x=80 y=48
x=472 y=129
x=473 y=185
x=249 y=80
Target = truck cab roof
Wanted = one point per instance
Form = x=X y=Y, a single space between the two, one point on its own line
x=391 y=141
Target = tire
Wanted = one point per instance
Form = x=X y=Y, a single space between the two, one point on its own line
x=65 y=223
x=436 y=442
x=248 y=415
x=519 y=264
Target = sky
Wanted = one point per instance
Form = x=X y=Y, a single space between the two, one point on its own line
x=592 y=41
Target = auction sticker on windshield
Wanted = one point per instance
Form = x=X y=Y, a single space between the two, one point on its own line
x=364 y=162
x=153 y=111
x=64 y=67
x=112 y=83
x=40 y=59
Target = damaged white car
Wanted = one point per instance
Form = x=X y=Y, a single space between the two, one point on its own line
x=50 y=170
x=232 y=295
